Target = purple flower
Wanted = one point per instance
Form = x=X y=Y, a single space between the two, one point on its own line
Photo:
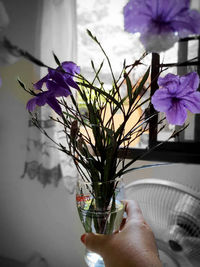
x=58 y=84
x=177 y=95
x=161 y=22
x=43 y=98
x=59 y=80
x=0 y=82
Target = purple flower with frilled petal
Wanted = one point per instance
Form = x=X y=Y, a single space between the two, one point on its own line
x=161 y=22
x=58 y=83
x=176 y=95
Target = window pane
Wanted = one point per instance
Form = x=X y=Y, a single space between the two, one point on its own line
x=105 y=20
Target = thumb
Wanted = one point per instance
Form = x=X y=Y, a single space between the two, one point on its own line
x=95 y=242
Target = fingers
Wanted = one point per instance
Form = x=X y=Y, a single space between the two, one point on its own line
x=94 y=242
x=133 y=210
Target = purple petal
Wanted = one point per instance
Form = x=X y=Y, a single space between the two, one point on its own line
x=0 y=82
x=177 y=114
x=173 y=8
x=58 y=77
x=71 y=67
x=31 y=104
x=192 y=102
x=72 y=83
x=179 y=86
x=171 y=82
x=41 y=98
x=137 y=16
x=53 y=103
x=57 y=90
x=51 y=72
x=168 y=80
x=190 y=80
x=186 y=23
x=38 y=85
x=161 y=100
x=195 y=21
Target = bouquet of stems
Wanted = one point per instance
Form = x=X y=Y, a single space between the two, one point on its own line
x=94 y=138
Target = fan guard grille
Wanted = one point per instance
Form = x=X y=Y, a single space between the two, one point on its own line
x=173 y=212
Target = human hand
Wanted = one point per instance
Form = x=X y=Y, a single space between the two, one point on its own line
x=133 y=246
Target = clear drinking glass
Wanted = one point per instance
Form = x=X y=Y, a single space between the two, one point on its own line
x=100 y=209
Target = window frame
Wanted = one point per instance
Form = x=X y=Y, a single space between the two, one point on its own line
x=174 y=152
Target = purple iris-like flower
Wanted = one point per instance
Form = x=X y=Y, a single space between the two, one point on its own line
x=161 y=22
x=176 y=95
x=58 y=83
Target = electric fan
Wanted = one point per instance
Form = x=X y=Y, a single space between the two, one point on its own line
x=173 y=212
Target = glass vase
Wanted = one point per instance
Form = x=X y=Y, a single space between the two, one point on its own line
x=100 y=210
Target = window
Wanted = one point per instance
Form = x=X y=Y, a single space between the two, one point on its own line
x=105 y=20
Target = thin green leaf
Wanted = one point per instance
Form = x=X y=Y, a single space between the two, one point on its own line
x=56 y=59
x=24 y=87
x=97 y=72
x=92 y=36
x=141 y=85
x=129 y=87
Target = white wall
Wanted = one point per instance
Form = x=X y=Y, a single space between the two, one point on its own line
x=187 y=174
x=33 y=218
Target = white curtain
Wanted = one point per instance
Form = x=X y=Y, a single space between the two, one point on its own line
x=58 y=30
x=57 y=33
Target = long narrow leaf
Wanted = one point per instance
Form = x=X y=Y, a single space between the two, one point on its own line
x=129 y=88
x=141 y=85
x=145 y=167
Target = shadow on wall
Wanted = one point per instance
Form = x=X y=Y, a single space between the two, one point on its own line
x=36 y=260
